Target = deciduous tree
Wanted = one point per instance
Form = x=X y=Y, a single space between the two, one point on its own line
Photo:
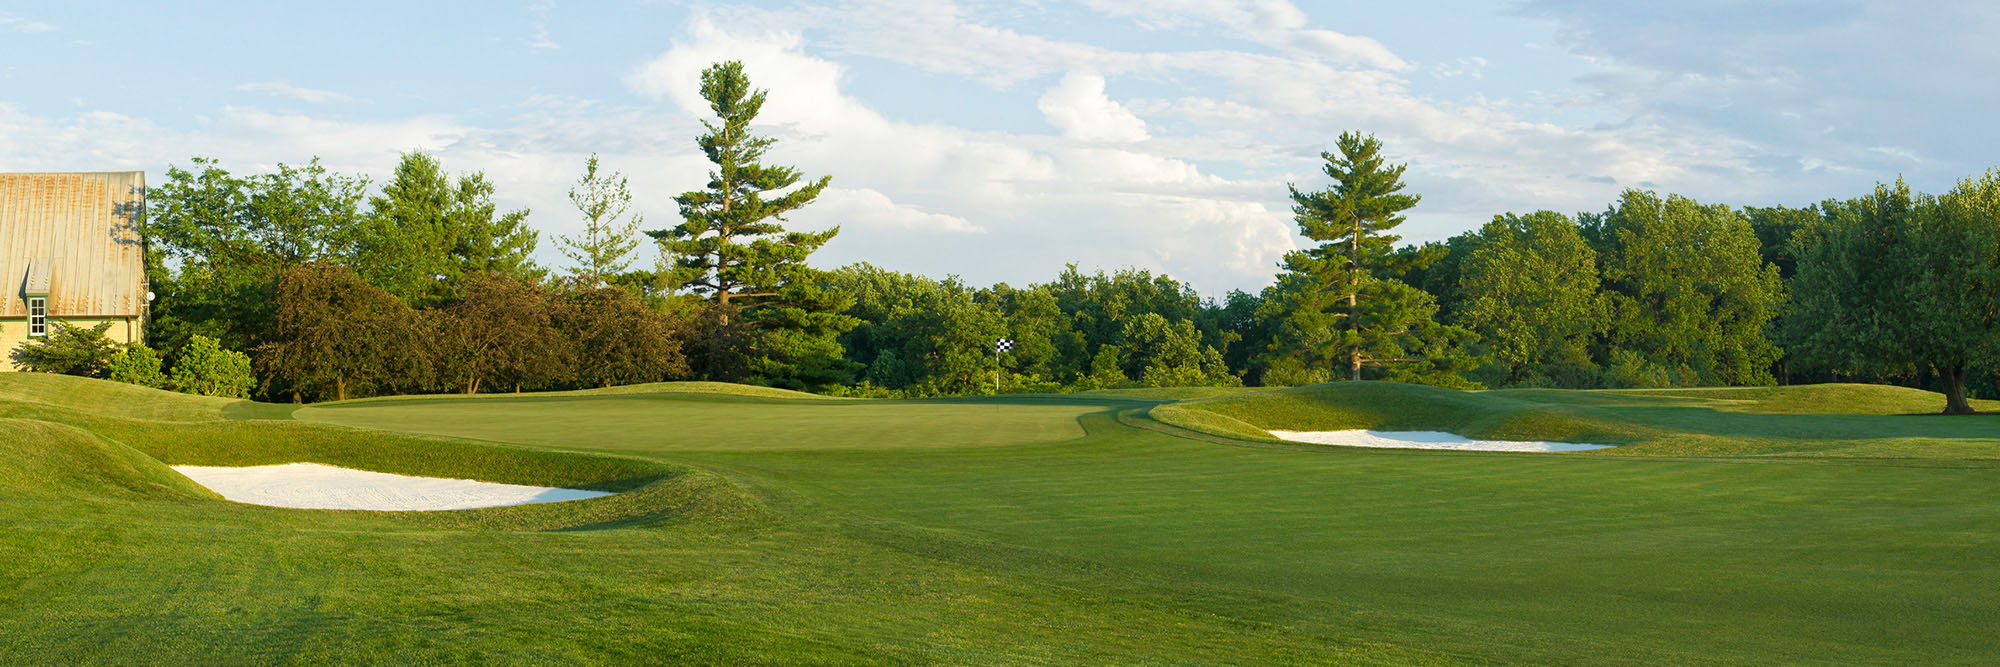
x=1531 y=292
x=216 y=241
x=502 y=335
x=1688 y=286
x=617 y=340
x=1897 y=279
x=337 y=336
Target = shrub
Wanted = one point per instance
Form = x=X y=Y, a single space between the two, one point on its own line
x=69 y=350
x=206 y=368
x=1286 y=372
x=1631 y=370
x=140 y=365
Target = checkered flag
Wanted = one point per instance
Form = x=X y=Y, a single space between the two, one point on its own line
x=1002 y=345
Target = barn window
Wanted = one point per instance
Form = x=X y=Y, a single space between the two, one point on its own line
x=38 y=316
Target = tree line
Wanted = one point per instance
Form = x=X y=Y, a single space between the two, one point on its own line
x=425 y=285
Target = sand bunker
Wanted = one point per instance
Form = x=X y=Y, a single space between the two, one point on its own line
x=324 y=487
x=1427 y=440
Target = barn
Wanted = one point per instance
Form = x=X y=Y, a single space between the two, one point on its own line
x=71 y=250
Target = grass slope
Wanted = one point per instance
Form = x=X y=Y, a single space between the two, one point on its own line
x=1817 y=421
x=648 y=388
x=1021 y=530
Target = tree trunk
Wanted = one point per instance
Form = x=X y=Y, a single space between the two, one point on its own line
x=1354 y=290
x=340 y=389
x=1954 y=391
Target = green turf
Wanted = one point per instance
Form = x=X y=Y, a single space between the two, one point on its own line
x=1816 y=421
x=1023 y=530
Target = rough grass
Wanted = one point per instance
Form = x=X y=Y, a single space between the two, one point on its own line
x=40 y=459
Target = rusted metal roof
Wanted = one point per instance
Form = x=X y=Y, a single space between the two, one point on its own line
x=76 y=237
x=37 y=283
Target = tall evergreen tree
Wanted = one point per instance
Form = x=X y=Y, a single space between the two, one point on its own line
x=425 y=234
x=604 y=249
x=732 y=249
x=1345 y=305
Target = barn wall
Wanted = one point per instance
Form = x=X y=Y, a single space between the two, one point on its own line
x=14 y=332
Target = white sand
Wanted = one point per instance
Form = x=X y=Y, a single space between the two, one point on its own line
x=315 y=486
x=1427 y=440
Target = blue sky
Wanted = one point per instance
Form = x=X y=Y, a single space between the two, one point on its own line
x=1001 y=139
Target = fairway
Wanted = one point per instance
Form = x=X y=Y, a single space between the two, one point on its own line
x=1072 y=529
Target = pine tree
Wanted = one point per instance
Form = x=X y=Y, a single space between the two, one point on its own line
x=425 y=234
x=1346 y=307
x=605 y=248
x=732 y=249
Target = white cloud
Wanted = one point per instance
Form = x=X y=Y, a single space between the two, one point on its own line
x=25 y=25
x=1185 y=171
x=1042 y=201
x=1275 y=23
x=1784 y=82
x=1079 y=107
x=288 y=91
x=867 y=209
x=1472 y=66
x=541 y=39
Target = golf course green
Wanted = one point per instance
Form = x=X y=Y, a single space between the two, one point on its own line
x=1811 y=524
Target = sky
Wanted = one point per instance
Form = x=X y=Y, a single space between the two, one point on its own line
x=998 y=140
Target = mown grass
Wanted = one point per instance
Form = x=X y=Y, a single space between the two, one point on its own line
x=682 y=387
x=638 y=423
x=1045 y=531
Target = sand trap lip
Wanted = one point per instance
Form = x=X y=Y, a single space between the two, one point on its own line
x=1427 y=440
x=325 y=487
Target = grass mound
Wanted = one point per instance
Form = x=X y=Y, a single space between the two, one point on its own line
x=690 y=387
x=647 y=491
x=40 y=459
x=107 y=398
x=1816 y=399
x=1174 y=393
x=1390 y=406
x=122 y=442
x=1822 y=421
